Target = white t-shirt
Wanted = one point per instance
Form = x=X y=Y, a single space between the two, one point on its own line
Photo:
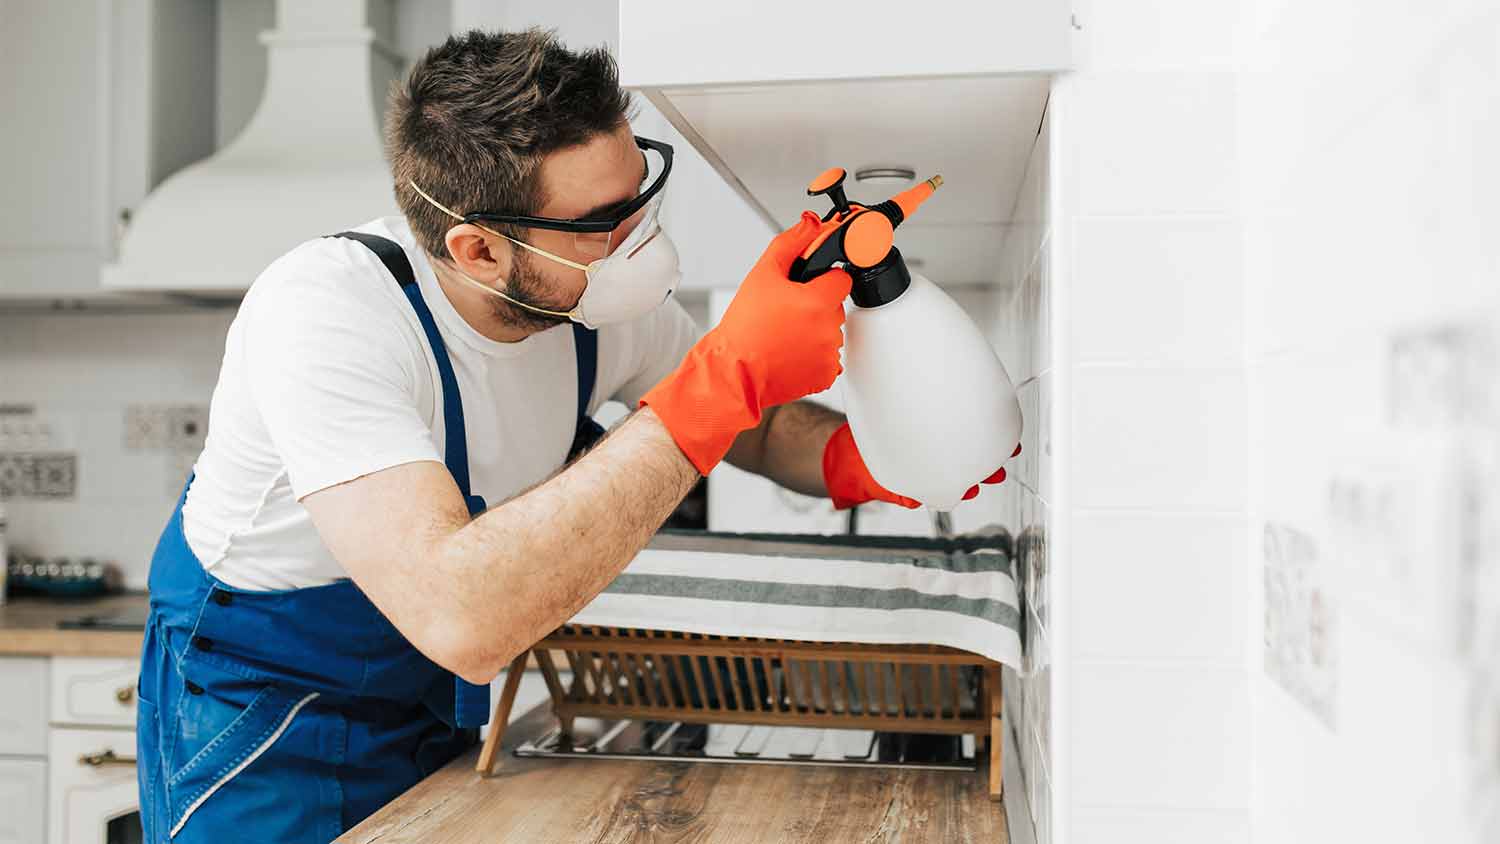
x=327 y=376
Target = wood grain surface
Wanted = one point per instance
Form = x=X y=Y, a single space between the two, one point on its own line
x=28 y=627
x=560 y=800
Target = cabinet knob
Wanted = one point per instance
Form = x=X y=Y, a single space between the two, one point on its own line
x=125 y=694
x=104 y=758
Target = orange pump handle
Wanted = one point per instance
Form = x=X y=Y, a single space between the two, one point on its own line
x=868 y=239
x=825 y=180
x=861 y=236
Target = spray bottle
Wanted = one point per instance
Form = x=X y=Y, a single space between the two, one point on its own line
x=930 y=405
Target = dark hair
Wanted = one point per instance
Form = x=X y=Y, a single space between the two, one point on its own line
x=476 y=115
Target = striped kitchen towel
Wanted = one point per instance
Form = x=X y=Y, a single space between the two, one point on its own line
x=957 y=592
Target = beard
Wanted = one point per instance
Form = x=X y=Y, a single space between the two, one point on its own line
x=526 y=286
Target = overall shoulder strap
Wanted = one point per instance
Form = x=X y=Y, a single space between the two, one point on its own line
x=456 y=445
x=586 y=343
x=463 y=704
x=390 y=253
x=586 y=431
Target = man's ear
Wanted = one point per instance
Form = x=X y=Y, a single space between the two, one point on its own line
x=479 y=254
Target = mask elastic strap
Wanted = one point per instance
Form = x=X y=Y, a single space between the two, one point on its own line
x=459 y=217
x=570 y=315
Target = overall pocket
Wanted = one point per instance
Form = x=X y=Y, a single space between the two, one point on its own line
x=217 y=739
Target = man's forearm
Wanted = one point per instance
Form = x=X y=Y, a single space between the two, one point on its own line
x=787 y=446
x=530 y=564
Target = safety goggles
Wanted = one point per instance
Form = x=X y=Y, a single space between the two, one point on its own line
x=597 y=235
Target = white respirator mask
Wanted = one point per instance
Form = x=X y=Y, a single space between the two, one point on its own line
x=632 y=276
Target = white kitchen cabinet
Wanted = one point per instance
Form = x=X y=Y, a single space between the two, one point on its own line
x=91 y=787
x=23 y=706
x=93 y=691
x=23 y=801
x=950 y=88
x=689 y=42
x=103 y=99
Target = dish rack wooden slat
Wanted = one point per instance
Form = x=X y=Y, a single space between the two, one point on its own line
x=657 y=675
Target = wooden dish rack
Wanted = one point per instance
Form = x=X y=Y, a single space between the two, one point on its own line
x=620 y=673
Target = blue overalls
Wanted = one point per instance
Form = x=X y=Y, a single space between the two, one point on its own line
x=290 y=716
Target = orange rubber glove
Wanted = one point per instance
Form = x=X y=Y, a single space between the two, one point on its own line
x=778 y=341
x=849 y=481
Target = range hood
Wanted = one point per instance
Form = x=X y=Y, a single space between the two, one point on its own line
x=308 y=163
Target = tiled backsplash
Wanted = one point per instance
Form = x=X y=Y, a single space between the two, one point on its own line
x=1022 y=331
x=1151 y=711
x=101 y=418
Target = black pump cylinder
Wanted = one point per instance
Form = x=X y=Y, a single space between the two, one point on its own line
x=881 y=284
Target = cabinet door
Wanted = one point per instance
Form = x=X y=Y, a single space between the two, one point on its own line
x=102 y=100
x=23 y=793
x=91 y=788
x=23 y=717
x=92 y=692
x=53 y=156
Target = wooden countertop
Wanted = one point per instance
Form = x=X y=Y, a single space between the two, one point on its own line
x=563 y=800
x=28 y=627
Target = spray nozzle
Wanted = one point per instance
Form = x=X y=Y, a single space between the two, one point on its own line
x=861 y=237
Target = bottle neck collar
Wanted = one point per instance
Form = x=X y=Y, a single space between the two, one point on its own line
x=881 y=284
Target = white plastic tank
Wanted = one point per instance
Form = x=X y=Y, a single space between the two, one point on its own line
x=931 y=407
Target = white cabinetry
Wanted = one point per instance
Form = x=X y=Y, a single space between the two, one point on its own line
x=91 y=789
x=689 y=42
x=23 y=706
x=91 y=786
x=942 y=87
x=23 y=749
x=103 y=98
x=23 y=800
x=96 y=692
x=71 y=780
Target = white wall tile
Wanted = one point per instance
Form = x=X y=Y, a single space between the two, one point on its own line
x=1154 y=143
x=1164 y=439
x=1025 y=466
x=1118 y=826
x=1157 y=290
x=1154 y=586
x=87 y=368
x=1045 y=435
x=1021 y=332
x=1159 y=737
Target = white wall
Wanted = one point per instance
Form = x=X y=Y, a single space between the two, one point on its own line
x=1152 y=736
x=1372 y=195
x=81 y=372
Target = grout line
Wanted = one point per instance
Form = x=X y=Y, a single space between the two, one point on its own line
x=1020 y=825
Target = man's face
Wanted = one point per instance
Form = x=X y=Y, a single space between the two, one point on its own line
x=578 y=182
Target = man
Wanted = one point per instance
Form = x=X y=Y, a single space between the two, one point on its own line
x=377 y=524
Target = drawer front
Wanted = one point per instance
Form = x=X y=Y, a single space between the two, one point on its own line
x=23 y=801
x=23 y=716
x=91 y=788
x=94 y=692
